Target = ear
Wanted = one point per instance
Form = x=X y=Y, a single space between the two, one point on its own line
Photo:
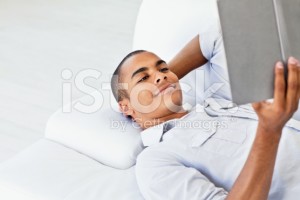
x=125 y=107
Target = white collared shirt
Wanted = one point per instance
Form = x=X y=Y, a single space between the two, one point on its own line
x=216 y=73
x=201 y=157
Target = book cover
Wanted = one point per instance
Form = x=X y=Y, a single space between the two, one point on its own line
x=257 y=34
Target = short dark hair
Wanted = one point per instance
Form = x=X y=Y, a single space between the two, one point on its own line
x=118 y=91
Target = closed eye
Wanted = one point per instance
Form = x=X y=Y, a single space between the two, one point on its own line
x=165 y=69
x=143 y=79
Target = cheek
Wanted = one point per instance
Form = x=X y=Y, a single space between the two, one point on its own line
x=145 y=97
x=142 y=95
x=174 y=99
x=142 y=98
x=173 y=77
x=177 y=98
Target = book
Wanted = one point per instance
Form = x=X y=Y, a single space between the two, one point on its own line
x=257 y=34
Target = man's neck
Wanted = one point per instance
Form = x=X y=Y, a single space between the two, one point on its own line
x=153 y=122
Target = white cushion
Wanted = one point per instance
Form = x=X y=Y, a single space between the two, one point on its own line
x=106 y=135
x=164 y=27
x=47 y=171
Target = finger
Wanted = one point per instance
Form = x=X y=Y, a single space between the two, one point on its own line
x=279 y=84
x=298 y=91
x=292 y=87
x=256 y=106
x=298 y=67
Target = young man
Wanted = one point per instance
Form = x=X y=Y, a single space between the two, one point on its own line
x=227 y=154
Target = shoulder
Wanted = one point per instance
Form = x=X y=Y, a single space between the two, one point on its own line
x=157 y=154
x=208 y=39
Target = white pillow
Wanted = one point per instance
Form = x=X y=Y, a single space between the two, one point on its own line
x=106 y=135
x=164 y=27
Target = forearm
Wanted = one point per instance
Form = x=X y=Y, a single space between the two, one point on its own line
x=188 y=59
x=255 y=178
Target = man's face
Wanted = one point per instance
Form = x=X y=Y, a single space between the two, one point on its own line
x=153 y=90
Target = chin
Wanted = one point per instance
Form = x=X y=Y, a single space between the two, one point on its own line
x=168 y=103
x=176 y=97
x=173 y=102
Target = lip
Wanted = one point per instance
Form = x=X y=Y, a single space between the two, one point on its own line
x=163 y=88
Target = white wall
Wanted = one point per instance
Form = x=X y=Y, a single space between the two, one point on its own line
x=38 y=39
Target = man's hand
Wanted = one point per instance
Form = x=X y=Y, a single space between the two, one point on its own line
x=254 y=181
x=273 y=116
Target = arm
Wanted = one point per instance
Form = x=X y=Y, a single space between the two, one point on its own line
x=188 y=59
x=161 y=175
x=255 y=178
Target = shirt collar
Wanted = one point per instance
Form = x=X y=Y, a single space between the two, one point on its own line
x=152 y=135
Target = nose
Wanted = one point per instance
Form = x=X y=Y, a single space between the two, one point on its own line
x=160 y=78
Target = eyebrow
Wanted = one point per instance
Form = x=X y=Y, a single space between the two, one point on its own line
x=142 y=69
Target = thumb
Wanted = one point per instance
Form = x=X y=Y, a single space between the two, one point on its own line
x=257 y=106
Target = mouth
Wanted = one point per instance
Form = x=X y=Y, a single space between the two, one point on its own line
x=165 y=89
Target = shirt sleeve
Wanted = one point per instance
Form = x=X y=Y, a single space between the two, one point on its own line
x=208 y=40
x=216 y=75
x=161 y=176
